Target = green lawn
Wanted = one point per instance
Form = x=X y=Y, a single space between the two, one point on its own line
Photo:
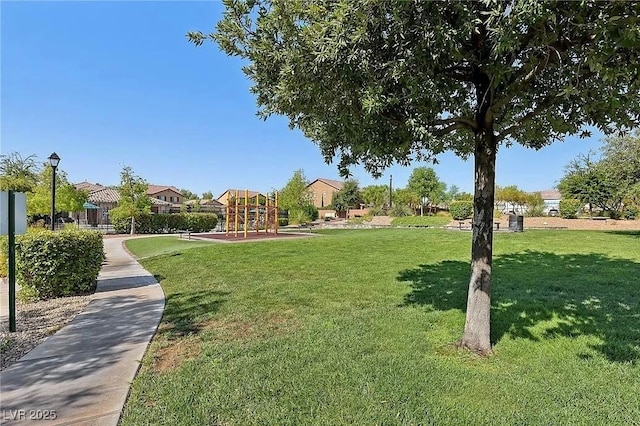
x=356 y=328
x=154 y=246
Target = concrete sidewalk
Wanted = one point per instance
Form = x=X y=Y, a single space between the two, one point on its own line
x=82 y=374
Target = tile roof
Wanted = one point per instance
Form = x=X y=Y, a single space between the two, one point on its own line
x=550 y=194
x=337 y=184
x=104 y=195
x=88 y=186
x=205 y=202
x=110 y=195
x=160 y=202
x=240 y=193
x=154 y=189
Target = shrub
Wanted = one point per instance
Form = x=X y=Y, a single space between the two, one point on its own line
x=376 y=211
x=631 y=212
x=159 y=223
x=199 y=222
x=283 y=221
x=54 y=264
x=400 y=210
x=461 y=209
x=311 y=211
x=432 y=220
x=613 y=214
x=569 y=208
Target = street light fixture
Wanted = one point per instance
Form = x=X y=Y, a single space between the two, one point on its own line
x=54 y=160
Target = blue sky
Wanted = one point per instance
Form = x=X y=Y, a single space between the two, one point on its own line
x=108 y=84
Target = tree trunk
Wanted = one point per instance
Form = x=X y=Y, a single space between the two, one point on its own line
x=133 y=225
x=476 y=335
x=421 y=209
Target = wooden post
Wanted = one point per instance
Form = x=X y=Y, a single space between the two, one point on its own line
x=266 y=213
x=228 y=211
x=276 y=216
x=235 y=230
x=257 y=214
x=246 y=212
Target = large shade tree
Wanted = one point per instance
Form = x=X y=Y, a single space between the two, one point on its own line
x=380 y=82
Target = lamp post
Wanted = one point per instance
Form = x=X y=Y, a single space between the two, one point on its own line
x=390 y=191
x=54 y=160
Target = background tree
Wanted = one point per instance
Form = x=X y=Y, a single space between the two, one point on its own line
x=134 y=200
x=17 y=173
x=207 y=195
x=513 y=197
x=375 y=195
x=295 y=197
x=375 y=83
x=349 y=197
x=406 y=197
x=597 y=183
x=424 y=182
x=450 y=194
x=68 y=198
x=188 y=195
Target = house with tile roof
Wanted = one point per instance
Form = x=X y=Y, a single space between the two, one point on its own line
x=322 y=191
x=164 y=199
x=230 y=194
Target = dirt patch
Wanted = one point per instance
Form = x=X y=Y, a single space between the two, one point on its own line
x=259 y=328
x=176 y=353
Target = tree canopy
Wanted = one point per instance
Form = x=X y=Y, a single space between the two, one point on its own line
x=349 y=197
x=425 y=183
x=134 y=200
x=610 y=182
x=68 y=198
x=18 y=173
x=296 y=198
x=376 y=196
x=376 y=83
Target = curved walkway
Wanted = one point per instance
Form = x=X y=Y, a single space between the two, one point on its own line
x=83 y=372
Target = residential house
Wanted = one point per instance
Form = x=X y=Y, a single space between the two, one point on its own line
x=101 y=199
x=322 y=191
x=229 y=196
x=551 y=199
x=170 y=194
x=208 y=206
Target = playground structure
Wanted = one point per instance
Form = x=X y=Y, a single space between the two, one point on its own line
x=251 y=214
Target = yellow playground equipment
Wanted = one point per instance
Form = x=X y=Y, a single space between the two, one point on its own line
x=251 y=214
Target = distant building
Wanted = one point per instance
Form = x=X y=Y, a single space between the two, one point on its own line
x=101 y=199
x=230 y=194
x=551 y=199
x=322 y=191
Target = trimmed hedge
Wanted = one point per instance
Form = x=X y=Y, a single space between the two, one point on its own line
x=461 y=209
x=166 y=223
x=569 y=208
x=55 y=264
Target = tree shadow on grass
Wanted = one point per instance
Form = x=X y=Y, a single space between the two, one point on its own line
x=579 y=294
x=186 y=313
x=634 y=234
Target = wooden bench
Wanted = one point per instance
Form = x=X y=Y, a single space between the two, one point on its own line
x=186 y=232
